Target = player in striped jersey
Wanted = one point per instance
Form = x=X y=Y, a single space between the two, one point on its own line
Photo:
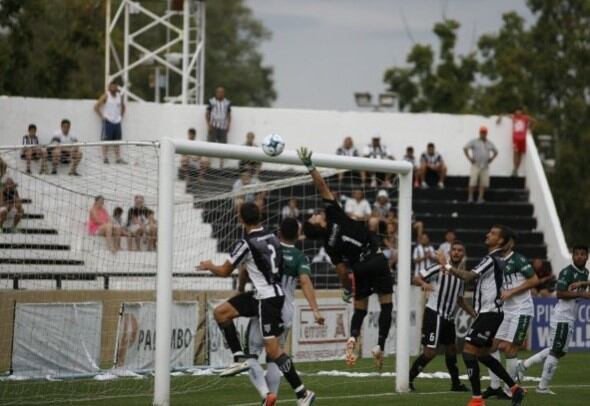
x=296 y=269
x=572 y=285
x=438 y=325
x=261 y=254
x=488 y=275
x=519 y=279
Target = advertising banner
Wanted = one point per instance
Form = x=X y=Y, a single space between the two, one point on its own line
x=56 y=340
x=136 y=335
x=540 y=327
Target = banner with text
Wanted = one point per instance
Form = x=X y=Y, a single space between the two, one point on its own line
x=312 y=342
x=136 y=335
x=541 y=332
x=56 y=340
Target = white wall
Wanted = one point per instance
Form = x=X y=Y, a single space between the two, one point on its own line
x=321 y=130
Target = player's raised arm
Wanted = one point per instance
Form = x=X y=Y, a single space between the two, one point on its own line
x=467 y=276
x=223 y=270
x=319 y=182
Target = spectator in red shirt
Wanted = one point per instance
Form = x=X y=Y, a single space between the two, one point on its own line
x=521 y=123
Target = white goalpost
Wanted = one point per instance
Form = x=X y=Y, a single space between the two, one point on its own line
x=165 y=247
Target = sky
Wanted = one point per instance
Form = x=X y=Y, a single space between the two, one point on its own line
x=323 y=51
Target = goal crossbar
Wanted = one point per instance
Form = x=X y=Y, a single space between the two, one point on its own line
x=167 y=171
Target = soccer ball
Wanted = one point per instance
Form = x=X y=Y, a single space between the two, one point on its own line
x=273 y=145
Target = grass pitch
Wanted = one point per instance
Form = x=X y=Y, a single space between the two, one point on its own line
x=571 y=382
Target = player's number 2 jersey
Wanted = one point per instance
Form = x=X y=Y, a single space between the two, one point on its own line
x=261 y=252
x=486 y=297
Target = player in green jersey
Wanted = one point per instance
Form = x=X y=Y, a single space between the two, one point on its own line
x=572 y=285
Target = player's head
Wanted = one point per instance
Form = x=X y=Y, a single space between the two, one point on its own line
x=580 y=255
x=192 y=134
x=250 y=214
x=457 y=251
x=316 y=227
x=289 y=230
x=499 y=236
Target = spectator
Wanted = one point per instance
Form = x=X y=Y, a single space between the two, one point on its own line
x=390 y=242
x=110 y=107
x=152 y=230
x=445 y=247
x=432 y=165
x=246 y=180
x=411 y=158
x=34 y=151
x=252 y=166
x=348 y=149
x=3 y=168
x=63 y=151
x=99 y=223
x=546 y=286
x=291 y=209
x=189 y=164
x=382 y=205
x=521 y=123
x=483 y=152
x=10 y=204
x=218 y=117
x=357 y=207
x=376 y=150
x=120 y=230
x=424 y=255
x=137 y=223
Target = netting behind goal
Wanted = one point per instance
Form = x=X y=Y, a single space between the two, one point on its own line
x=78 y=261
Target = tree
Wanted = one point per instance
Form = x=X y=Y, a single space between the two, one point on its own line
x=55 y=48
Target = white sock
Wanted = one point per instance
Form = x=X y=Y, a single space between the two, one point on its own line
x=273 y=377
x=537 y=358
x=511 y=367
x=548 y=371
x=494 y=380
x=256 y=375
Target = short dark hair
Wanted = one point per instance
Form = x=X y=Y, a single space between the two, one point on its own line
x=118 y=211
x=65 y=121
x=450 y=230
x=430 y=144
x=458 y=242
x=97 y=198
x=505 y=232
x=289 y=229
x=250 y=213
x=410 y=148
x=192 y=131
x=32 y=126
x=580 y=247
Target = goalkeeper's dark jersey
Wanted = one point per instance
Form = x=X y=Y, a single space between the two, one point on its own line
x=348 y=240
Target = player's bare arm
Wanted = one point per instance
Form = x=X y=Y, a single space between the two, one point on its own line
x=243 y=279
x=420 y=281
x=566 y=294
x=223 y=270
x=464 y=304
x=523 y=287
x=319 y=182
x=580 y=284
x=309 y=293
x=467 y=276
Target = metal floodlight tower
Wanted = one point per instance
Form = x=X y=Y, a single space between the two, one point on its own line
x=181 y=54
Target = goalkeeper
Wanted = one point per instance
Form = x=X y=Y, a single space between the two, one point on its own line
x=361 y=266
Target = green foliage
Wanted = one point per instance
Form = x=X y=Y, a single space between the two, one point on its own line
x=55 y=48
x=544 y=67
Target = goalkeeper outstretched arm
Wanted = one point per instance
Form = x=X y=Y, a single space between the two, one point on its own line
x=319 y=182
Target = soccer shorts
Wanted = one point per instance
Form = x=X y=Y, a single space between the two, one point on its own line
x=372 y=276
x=561 y=335
x=111 y=131
x=437 y=330
x=256 y=341
x=217 y=135
x=268 y=311
x=519 y=145
x=479 y=176
x=514 y=328
x=483 y=330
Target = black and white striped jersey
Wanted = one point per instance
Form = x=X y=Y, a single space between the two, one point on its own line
x=488 y=289
x=260 y=251
x=220 y=111
x=446 y=289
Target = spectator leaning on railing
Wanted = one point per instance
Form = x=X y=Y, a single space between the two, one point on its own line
x=34 y=151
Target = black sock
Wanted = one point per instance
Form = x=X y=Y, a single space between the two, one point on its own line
x=356 y=322
x=451 y=361
x=287 y=367
x=384 y=323
x=231 y=336
x=494 y=365
x=472 y=372
x=418 y=366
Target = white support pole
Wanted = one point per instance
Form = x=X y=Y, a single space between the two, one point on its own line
x=201 y=62
x=164 y=274
x=402 y=361
x=107 y=48
x=185 y=55
x=126 y=84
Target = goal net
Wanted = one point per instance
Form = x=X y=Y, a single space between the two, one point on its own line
x=79 y=264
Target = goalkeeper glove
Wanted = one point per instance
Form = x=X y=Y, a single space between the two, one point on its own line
x=347 y=295
x=305 y=157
